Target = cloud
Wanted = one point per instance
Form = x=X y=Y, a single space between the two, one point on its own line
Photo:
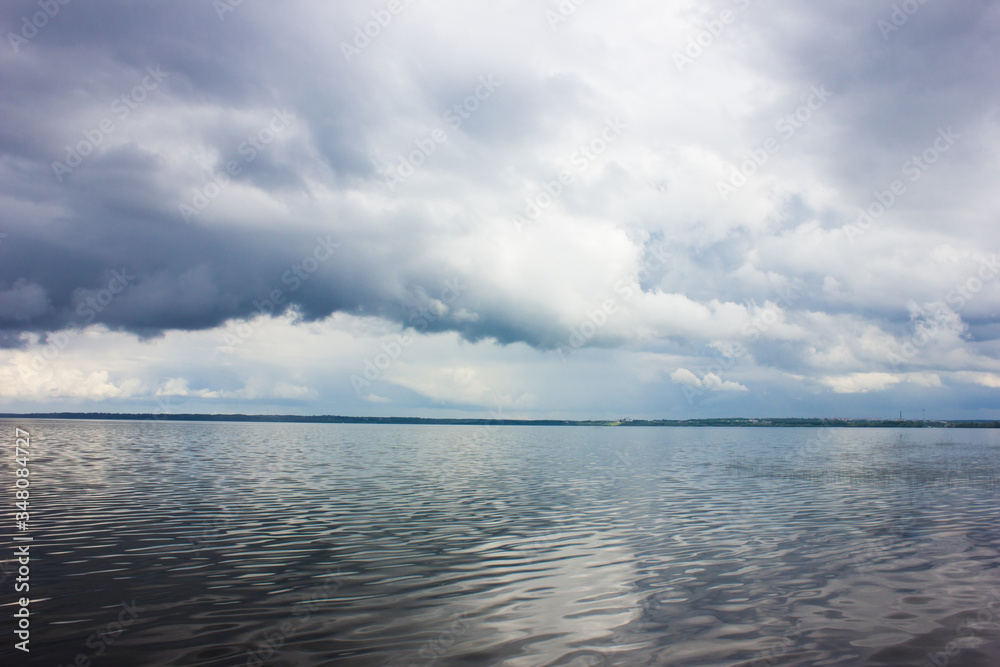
x=710 y=381
x=991 y=380
x=23 y=301
x=477 y=179
x=861 y=383
x=174 y=387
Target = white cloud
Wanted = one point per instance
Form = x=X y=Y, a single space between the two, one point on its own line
x=861 y=383
x=984 y=379
x=710 y=381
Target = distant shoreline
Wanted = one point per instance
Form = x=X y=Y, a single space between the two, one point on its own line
x=815 y=422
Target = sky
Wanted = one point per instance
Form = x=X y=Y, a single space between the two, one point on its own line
x=577 y=209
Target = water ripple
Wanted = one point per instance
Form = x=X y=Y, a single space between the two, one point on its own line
x=299 y=544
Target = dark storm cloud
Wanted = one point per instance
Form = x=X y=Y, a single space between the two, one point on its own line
x=118 y=211
x=895 y=76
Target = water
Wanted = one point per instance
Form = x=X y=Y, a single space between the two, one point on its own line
x=302 y=544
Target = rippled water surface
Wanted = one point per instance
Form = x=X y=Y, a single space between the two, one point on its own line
x=303 y=544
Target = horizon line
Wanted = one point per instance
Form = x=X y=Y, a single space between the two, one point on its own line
x=475 y=421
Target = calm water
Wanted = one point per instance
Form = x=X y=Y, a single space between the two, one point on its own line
x=292 y=544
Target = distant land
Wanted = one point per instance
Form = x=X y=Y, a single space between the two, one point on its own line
x=813 y=422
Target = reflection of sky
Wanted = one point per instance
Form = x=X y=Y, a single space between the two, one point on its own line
x=568 y=588
x=642 y=544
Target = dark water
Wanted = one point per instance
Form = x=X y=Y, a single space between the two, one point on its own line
x=292 y=544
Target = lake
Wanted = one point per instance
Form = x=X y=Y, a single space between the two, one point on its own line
x=194 y=543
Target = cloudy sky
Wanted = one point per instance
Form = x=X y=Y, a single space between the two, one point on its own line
x=511 y=209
